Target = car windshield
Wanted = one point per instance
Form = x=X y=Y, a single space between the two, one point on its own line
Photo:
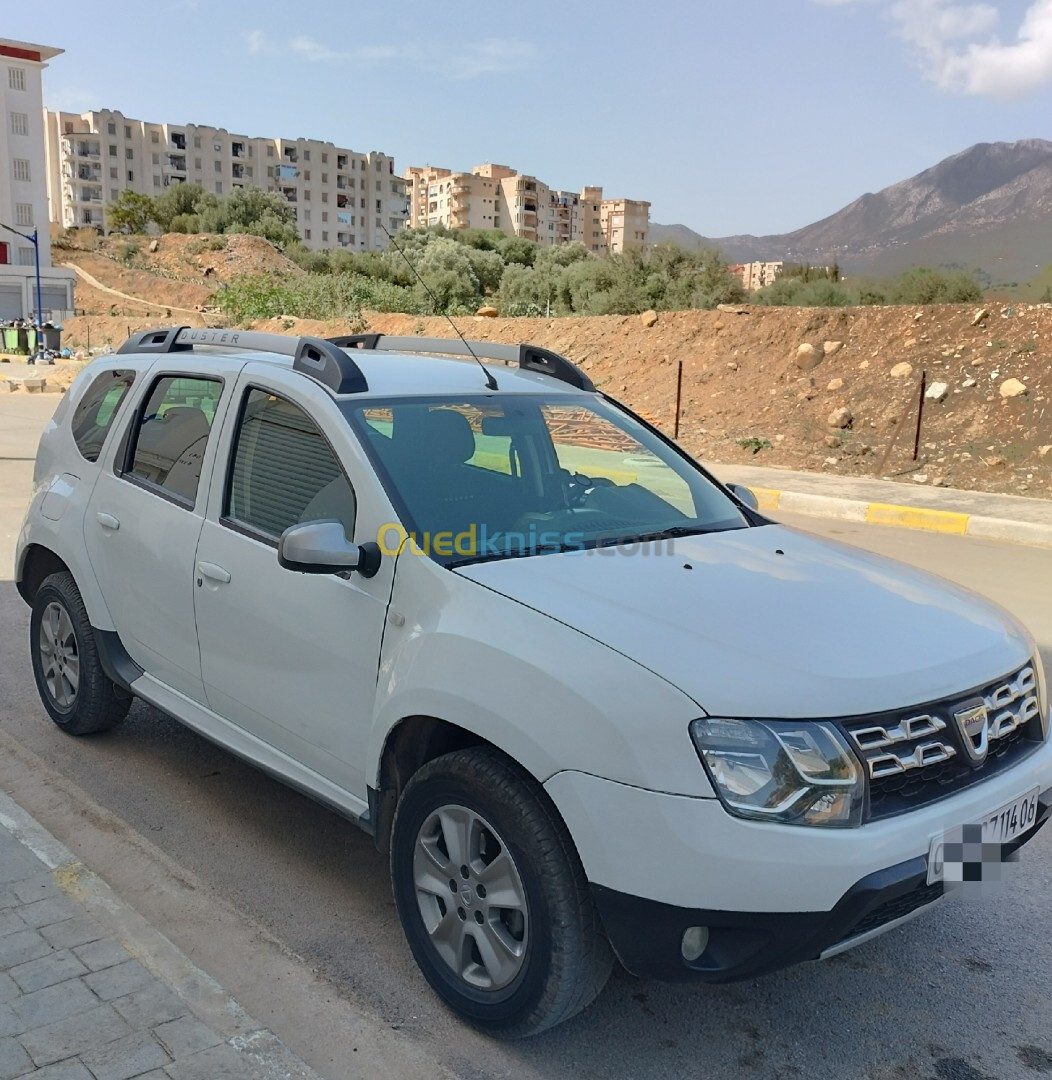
x=490 y=477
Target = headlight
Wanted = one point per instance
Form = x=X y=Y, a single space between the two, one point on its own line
x=794 y=772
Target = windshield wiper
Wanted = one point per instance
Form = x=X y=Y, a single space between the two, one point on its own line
x=673 y=532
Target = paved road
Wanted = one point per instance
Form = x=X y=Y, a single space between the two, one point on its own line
x=290 y=908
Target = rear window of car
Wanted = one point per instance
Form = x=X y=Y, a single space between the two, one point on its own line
x=95 y=412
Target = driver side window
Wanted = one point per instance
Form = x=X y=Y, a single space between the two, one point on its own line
x=284 y=471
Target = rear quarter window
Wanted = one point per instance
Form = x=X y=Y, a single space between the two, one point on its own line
x=95 y=412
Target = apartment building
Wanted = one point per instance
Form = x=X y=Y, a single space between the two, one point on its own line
x=23 y=188
x=625 y=224
x=498 y=197
x=756 y=275
x=341 y=198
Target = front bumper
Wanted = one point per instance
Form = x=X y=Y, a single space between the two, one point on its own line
x=646 y=934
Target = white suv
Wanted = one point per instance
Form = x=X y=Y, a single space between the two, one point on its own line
x=590 y=700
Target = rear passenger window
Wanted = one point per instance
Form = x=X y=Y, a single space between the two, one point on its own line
x=94 y=414
x=285 y=473
x=173 y=434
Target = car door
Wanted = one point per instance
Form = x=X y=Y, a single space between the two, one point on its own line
x=145 y=515
x=292 y=658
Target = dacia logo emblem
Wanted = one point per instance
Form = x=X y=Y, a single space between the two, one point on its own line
x=974 y=724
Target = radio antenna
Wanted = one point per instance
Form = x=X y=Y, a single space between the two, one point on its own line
x=491 y=382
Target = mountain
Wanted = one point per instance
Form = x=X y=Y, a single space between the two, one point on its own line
x=989 y=208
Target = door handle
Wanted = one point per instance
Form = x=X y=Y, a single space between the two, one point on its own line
x=107 y=521
x=213 y=572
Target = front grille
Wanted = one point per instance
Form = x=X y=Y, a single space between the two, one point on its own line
x=898 y=908
x=919 y=755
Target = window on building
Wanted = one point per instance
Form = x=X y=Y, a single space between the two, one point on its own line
x=154 y=137
x=157 y=159
x=351 y=182
x=127 y=131
x=20 y=167
x=23 y=213
x=377 y=164
x=219 y=187
x=306 y=215
x=128 y=153
x=379 y=223
x=363 y=204
x=157 y=181
x=306 y=195
x=16 y=78
x=270 y=151
x=324 y=215
x=169 y=446
x=131 y=176
x=324 y=237
x=197 y=164
x=218 y=166
x=379 y=204
x=306 y=234
x=306 y=155
x=325 y=159
x=112 y=150
x=306 y=174
x=197 y=142
x=113 y=194
x=19 y=123
x=324 y=177
x=111 y=128
x=113 y=172
x=26 y=257
x=324 y=196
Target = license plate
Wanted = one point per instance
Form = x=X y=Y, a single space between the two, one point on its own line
x=1004 y=825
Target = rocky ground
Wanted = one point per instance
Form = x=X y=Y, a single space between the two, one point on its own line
x=832 y=390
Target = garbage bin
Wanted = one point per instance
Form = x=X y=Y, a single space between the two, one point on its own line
x=23 y=340
x=52 y=336
x=10 y=339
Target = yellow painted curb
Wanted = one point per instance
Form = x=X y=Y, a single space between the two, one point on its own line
x=909 y=517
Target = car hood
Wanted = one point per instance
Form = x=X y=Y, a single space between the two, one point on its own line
x=771 y=621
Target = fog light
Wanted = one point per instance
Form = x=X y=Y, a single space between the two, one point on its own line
x=695 y=942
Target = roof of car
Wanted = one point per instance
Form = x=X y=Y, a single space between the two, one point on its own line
x=376 y=365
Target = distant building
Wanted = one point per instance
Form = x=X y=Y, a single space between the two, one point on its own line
x=756 y=275
x=341 y=198
x=498 y=197
x=23 y=188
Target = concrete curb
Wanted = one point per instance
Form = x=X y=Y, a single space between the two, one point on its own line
x=948 y=522
x=263 y=1052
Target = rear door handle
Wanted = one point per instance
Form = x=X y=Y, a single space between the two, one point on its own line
x=213 y=572
x=107 y=521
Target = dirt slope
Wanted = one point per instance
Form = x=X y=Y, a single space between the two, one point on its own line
x=748 y=394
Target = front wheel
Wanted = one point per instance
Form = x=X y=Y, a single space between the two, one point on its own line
x=492 y=896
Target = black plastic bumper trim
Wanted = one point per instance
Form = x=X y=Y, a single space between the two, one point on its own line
x=120 y=668
x=646 y=934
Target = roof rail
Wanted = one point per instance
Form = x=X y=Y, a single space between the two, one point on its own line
x=318 y=359
x=527 y=357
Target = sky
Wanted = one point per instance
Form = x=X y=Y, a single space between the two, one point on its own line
x=738 y=116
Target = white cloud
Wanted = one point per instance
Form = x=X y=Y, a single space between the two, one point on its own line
x=958 y=47
x=489 y=56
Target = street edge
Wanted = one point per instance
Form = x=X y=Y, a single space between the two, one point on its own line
x=905 y=517
x=267 y=1055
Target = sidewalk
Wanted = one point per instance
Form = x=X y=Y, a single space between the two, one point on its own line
x=889 y=502
x=88 y=991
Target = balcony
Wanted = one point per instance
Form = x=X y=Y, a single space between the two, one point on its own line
x=290 y=194
x=177 y=163
x=290 y=154
x=237 y=171
x=179 y=140
x=237 y=149
x=287 y=172
x=342 y=200
x=343 y=218
x=88 y=150
x=90 y=195
x=341 y=161
x=92 y=175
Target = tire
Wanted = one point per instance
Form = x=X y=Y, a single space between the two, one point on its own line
x=72 y=685
x=519 y=968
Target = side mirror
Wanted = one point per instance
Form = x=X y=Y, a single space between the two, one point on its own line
x=322 y=547
x=745 y=495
